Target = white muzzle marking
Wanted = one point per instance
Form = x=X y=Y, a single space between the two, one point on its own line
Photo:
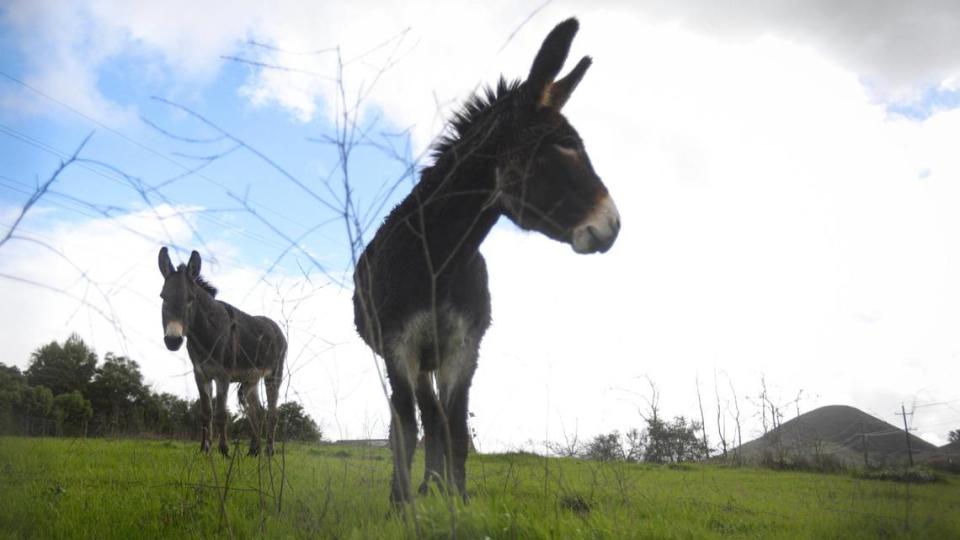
x=174 y=329
x=599 y=230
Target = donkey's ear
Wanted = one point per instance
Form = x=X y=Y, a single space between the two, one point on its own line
x=193 y=265
x=550 y=59
x=559 y=92
x=163 y=258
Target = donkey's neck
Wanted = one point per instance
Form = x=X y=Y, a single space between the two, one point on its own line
x=454 y=207
x=209 y=325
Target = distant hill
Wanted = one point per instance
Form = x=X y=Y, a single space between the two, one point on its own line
x=838 y=434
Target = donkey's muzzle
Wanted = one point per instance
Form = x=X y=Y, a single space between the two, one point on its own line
x=173 y=343
x=599 y=231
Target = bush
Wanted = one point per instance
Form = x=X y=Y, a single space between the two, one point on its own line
x=947 y=464
x=71 y=412
x=912 y=475
x=821 y=463
x=605 y=448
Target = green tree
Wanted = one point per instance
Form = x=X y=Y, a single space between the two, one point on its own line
x=117 y=393
x=35 y=408
x=954 y=436
x=675 y=441
x=636 y=441
x=657 y=439
x=12 y=386
x=682 y=441
x=295 y=423
x=166 y=414
x=71 y=412
x=608 y=447
x=62 y=368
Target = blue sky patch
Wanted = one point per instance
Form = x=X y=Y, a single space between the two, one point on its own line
x=932 y=100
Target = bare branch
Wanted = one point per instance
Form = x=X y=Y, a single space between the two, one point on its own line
x=42 y=189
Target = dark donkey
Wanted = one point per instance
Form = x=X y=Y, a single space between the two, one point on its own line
x=225 y=345
x=421 y=297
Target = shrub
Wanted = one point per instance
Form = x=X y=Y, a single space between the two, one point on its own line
x=912 y=475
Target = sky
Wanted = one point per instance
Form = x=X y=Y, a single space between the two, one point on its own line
x=786 y=174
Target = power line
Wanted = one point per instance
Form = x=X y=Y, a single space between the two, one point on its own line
x=27 y=139
x=935 y=403
x=142 y=146
x=23 y=189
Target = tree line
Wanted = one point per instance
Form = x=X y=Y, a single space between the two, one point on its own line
x=658 y=441
x=67 y=391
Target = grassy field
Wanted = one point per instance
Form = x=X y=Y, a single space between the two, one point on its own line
x=94 y=488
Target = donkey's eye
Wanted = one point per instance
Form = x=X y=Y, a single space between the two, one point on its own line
x=568 y=143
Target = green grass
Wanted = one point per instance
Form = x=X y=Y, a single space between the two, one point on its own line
x=94 y=488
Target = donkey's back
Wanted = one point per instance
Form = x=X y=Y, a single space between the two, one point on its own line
x=259 y=346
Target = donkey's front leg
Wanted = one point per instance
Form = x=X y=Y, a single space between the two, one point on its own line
x=220 y=416
x=205 y=388
x=403 y=438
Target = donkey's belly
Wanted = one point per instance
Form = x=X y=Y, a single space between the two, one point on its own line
x=213 y=371
x=210 y=370
x=446 y=343
x=243 y=375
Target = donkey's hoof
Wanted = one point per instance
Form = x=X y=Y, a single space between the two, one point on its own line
x=253 y=452
x=437 y=487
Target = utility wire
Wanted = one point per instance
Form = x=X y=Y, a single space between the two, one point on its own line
x=142 y=146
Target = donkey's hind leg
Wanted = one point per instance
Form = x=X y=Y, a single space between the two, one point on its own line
x=455 y=378
x=456 y=409
x=254 y=410
x=433 y=434
x=272 y=385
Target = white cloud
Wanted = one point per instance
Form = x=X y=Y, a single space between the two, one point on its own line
x=899 y=48
x=67 y=45
x=434 y=59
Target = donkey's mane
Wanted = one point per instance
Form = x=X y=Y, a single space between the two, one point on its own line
x=461 y=134
x=204 y=284
x=473 y=112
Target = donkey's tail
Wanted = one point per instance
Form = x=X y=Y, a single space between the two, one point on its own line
x=240 y=395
